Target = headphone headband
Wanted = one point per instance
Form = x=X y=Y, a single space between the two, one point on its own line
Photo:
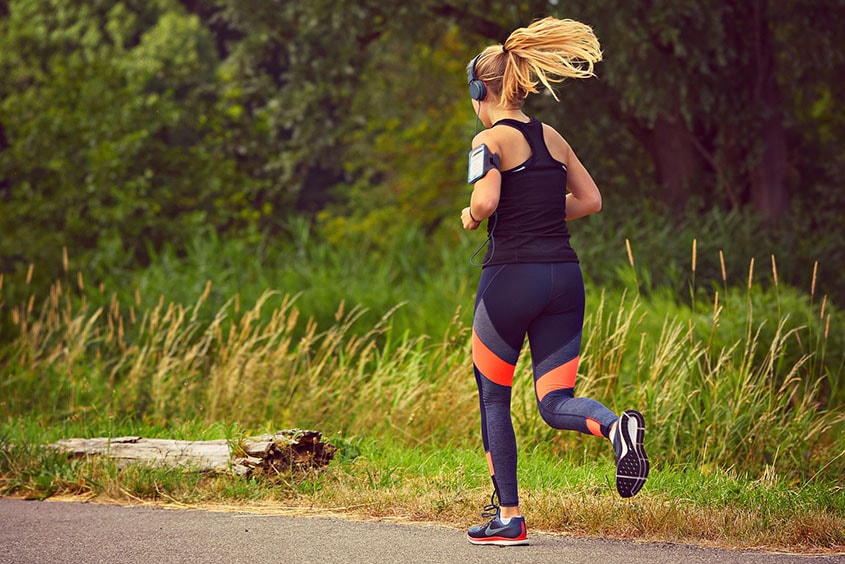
x=477 y=89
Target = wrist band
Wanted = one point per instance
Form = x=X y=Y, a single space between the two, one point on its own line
x=470 y=215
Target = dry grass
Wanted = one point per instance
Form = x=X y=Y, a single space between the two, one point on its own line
x=722 y=388
x=454 y=500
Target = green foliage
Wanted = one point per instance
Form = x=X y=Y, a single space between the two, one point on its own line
x=187 y=142
x=703 y=92
x=423 y=278
x=126 y=128
x=407 y=159
x=706 y=252
x=110 y=132
x=162 y=164
x=447 y=484
x=294 y=69
x=727 y=380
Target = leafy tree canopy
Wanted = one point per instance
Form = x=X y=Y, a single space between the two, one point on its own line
x=127 y=126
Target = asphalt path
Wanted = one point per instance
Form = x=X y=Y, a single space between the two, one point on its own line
x=76 y=532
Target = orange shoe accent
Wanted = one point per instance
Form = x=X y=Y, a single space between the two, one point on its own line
x=594 y=427
x=560 y=378
x=489 y=364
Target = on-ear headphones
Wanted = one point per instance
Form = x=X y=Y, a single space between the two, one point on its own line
x=477 y=89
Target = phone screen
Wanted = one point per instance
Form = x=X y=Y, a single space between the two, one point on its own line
x=477 y=158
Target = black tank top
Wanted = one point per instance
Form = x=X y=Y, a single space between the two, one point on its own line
x=530 y=221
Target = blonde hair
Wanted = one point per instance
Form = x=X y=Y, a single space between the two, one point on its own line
x=547 y=51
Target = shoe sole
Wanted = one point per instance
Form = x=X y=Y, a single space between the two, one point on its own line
x=498 y=541
x=633 y=466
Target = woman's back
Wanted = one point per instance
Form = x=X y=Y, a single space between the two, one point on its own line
x=530 y=224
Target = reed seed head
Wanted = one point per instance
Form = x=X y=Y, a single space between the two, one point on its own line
x=751 y=273
x=694 y=253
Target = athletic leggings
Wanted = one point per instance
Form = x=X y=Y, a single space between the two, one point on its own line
x=546 y=302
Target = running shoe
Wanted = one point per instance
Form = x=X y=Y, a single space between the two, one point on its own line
x=497 y=533
x=631 y=460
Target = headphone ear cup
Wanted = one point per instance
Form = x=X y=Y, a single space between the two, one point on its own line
x=477 y=90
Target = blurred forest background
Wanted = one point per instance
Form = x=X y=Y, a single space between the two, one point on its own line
x=246 y=212
x=138 y=133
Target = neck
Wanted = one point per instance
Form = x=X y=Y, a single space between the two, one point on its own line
x=497 y=114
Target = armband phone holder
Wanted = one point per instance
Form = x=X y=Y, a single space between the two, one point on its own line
x=481 y=160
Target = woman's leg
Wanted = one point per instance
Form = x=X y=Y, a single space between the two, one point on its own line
x=546 y=301
x=508 y=298
x=555 y=339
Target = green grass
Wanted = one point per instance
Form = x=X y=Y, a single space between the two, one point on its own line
x=711 y=400
x=741 y=385
x=448 y=485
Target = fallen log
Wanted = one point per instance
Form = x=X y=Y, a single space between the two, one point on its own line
x=283 y=452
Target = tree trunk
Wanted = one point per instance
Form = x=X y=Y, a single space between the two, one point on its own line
x=283 y=452
x=769 y=195
x=676 y=161
x=671 y=146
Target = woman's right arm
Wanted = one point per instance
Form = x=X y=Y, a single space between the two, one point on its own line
x=486 y=191
x=584 y=197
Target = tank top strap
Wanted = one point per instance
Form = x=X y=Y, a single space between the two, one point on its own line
x=533 y=133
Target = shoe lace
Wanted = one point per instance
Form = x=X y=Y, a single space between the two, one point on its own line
x=491 y=510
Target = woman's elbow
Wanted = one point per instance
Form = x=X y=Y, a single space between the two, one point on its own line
x=486 y=207
x=594 y=204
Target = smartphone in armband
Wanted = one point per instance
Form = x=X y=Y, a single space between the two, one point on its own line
x=481 y=160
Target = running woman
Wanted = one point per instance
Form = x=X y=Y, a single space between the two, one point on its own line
x=527 y=184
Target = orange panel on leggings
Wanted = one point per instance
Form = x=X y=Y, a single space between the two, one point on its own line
x=594 y=427
x=489 y=364
x=490 y=463
x=560 y=378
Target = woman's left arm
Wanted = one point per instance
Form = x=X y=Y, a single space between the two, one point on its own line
x=584 y=197
x=486 y=191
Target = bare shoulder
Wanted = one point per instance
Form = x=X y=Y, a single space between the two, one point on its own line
x=557 y=145
x=501 y=141
x=493 y=137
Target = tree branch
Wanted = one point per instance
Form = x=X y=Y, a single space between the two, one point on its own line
x=472 y=22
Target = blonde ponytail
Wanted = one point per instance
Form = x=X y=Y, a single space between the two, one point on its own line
x=547 y=51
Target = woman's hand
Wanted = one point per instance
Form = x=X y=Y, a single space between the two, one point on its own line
x=467 y=220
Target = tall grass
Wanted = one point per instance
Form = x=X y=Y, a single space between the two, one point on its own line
x=747 y=379
x=430 y=276
x=255 y=367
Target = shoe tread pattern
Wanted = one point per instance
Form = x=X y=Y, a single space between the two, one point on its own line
x=632 y=466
